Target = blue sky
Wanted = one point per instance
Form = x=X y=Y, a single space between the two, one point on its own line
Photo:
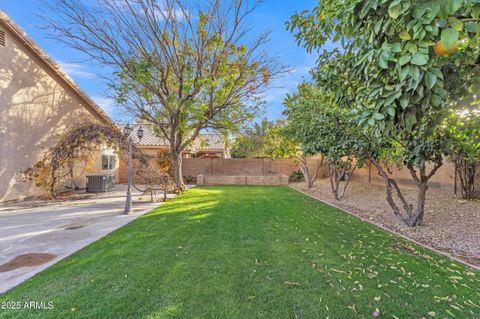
x=271 y=16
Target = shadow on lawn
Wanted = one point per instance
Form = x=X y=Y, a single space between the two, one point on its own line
x=205 y=253
x=179 y=214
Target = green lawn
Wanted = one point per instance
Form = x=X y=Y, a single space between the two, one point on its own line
x=251 y=252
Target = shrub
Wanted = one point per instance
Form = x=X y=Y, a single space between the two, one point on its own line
x=296 y=176
x=189 y=179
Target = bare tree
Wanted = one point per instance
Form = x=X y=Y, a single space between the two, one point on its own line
x=181 y=65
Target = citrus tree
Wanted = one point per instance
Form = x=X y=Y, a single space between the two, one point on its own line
x=322 y=127
x=464 y=132
x=408 y=60
x=280 y=144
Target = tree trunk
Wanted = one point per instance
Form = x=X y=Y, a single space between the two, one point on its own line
x=411 y=216
x=467 y=170
x=177 y=171
x=309 y=179
x=417 y=220
x=305 y=171
x=338 y=173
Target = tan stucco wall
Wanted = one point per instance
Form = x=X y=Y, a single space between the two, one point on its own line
x=35 y=106
x=97 y=159
x=94 y=166
x=443 y=180
x=241 y=180
x=245 y=166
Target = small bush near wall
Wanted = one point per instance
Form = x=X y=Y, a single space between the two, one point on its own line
x=189 y=179
x=296 y=176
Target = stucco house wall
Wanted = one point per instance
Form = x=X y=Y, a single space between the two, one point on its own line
x=37 y=103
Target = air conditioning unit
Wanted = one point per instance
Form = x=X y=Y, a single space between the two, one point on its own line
x=100 y=183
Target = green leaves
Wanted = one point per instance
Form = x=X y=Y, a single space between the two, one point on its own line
x=410 y=120
x=449 y=38
x=404 y=59
x=382 y=63
x=404 y=101
x=436 y=100
x=454 y=5
x=464 y=132
x=318 y=120
x=404 y=35
x=471 y=27
x=455 y=23
x=390 y=111
x=430 y=80
x=378 y=116
x=396 y=48
x=395 y=9
x=419 y=59
x=398 y=53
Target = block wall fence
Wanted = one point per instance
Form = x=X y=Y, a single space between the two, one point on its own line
x=234 y=166
x=243 y=166
x=443 y=180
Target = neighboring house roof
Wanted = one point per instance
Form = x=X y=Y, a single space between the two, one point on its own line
x=29 y=43
x=150 y=138
x=205 y=142
x=210 y=141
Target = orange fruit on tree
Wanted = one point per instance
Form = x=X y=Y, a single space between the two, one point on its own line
x=440 y=49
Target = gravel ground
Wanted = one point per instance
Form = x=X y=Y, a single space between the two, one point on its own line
x=451 y=224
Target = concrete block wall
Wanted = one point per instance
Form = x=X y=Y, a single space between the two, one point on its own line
x=237 y=171
x=241 y=180
x=443 y=180
x=241 y=166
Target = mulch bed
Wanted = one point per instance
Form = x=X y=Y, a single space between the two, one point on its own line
x=450 y=225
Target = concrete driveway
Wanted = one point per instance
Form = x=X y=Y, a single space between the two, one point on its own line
x=33 y=233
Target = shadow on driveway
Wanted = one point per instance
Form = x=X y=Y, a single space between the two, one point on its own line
x=31 y=231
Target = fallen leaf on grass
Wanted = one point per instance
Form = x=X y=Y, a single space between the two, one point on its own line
x=292 y=283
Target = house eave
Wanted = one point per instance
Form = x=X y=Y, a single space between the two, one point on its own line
x=20 y=34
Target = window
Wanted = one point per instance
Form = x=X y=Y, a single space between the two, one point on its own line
x=2 y=38
x=112 y=162
x=104 y=162
x=108 y=162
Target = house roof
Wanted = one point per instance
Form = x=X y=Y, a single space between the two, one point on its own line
x=55 y=67
x=204 y=142
x=210 y=141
